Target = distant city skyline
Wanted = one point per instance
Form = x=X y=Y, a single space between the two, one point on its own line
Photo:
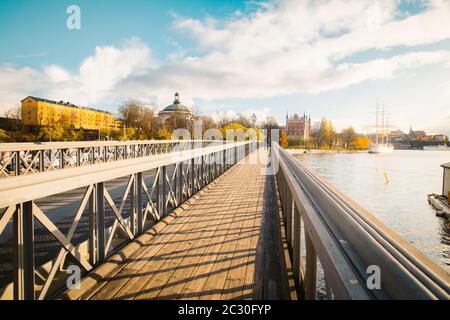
x=262 y=57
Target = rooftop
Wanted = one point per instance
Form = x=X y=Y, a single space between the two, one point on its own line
x=66 y=104
x=177 y=106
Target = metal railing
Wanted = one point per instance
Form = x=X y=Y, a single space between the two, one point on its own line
x=27 y=158
x=151 y=187
x=350 y=243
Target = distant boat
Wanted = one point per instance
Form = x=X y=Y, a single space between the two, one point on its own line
x=442 y=147
x=381 y=144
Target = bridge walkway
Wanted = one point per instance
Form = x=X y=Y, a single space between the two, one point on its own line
x=226 y=244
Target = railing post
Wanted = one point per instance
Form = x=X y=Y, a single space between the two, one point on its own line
x=139 y=208
x=311 y=269
x=17 y=163
x=100 y=223
x=105 y=154
x=78 y=157
x=193 y=176
x=158 y=191
x=164 y=191
x=213 y=165
x=62 y=152
x=93 y=254
x=23 y=223
x=224 y=159
x=296 y=247
x=93 y=155
x=133 y=206
x=116 y=152
x=289 y=218
x=42 y=161
x=180 y=183
x=201 y=175
x=209 y=168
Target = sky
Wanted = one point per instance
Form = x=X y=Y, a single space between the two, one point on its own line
x=332 y=58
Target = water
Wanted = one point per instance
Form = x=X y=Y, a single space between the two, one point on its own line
x=402 y=202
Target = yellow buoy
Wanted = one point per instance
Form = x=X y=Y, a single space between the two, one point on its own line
x=386 y=178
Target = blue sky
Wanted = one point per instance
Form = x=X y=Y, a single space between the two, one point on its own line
x=43 y=41
x=327 y=58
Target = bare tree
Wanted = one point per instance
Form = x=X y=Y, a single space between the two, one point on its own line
x=13 y=113
x=142 y=118
x=347 y=136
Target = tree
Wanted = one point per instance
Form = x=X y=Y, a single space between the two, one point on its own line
x=3 y=136
x=233 y=129
x=163 y=135
x=208 y=123
x=361 y=143
x=347 y=136
x=13 y=113
x=323 y=134
x=270 y=123
x=53 y=134
x=326 y=133
x=284 y=142
x=130 y=113
x=244 y=120
x=134 y=115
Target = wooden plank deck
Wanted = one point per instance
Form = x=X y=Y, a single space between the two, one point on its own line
x=226 y=245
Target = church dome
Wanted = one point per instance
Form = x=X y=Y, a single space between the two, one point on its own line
x=177 y=106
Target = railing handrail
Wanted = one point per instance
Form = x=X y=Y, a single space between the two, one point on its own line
x=20 y=189
x=151 y=186
x=36 y=146
x=362 y=239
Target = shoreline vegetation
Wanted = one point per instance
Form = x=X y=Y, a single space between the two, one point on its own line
x=296 y=151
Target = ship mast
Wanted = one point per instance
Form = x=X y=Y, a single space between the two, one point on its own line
x=376 y=126
x=387 y=129
x=382 y=124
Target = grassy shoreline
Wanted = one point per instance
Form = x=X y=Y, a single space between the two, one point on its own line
x=322 y=151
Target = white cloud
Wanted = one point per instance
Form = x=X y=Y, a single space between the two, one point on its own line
x=284 y=47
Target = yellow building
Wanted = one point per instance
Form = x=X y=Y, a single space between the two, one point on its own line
x=43 y=112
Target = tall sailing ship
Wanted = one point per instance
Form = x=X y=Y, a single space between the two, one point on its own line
x=381 y=144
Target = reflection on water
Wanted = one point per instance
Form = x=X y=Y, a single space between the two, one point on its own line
x=402 y=202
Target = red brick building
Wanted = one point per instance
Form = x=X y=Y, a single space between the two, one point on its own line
x=298 y=127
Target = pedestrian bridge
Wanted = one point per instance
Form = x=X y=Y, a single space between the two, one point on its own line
x=192 y=220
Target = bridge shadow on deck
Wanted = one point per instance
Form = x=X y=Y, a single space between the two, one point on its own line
x=227 y=245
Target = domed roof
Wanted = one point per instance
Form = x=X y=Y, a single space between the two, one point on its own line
x=177 y=106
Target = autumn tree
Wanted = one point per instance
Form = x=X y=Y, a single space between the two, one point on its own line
x=323 y=134
x=3 y=136
x=361 y=143
x=234 y=130
x=284 y=142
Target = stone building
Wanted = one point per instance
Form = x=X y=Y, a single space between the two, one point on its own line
x=176 y=109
